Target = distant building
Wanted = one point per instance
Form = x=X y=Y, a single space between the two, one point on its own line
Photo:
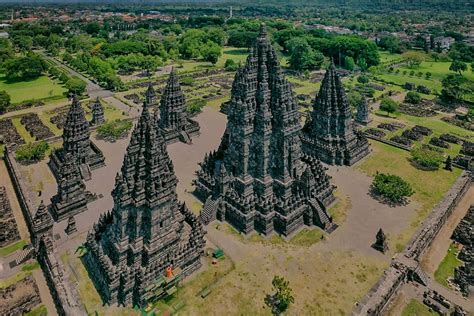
x=444 y=42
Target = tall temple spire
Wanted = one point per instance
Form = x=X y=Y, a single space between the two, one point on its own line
x=173 y=118
x=150 y=94
x=77 y=143
x=148 y=230
x=97 y=112
x=329 y=134
x=261 y=154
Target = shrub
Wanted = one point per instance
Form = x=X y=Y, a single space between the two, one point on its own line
x=115 y=129
x=188 y=81
x=426 y=158
x=391 y=187
x=230 y=65
x=388 y=105
x=363 y=79
x=195 y=106
x=32 y=151
x=413 y=97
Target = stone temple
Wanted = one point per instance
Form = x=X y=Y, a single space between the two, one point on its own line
x=148 y=232
x=329 y=133
x=76 y=141
x=259 y=178
x=173 y=119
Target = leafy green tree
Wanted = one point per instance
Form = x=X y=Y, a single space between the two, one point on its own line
x=455 y=87
x=354 y=98
x=428 y=75
x=388 y=105
x=92 y=28
x=24 y=43
x=361 y=62
x=211 y=52
x=76 y=85
x=302 y=56
x=32 y=151
x=363 y=79
x=349 y=63
x=195 y=106
x=284 y=294
x=241 y=38
x=427 y=159
x=23 y=68
x=4 y=100
x=230 y=65
x=413 y=59
x=391 y=187
x=413 y=97
x=458 y=66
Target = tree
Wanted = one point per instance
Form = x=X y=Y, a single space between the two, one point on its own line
x=24 y=43
x=92 y=28
x=283 y=296
x=388 y=105
x=472 y=66
x=391 y=187
x=413 y=97
x=4 y=101
x=363 y=79
x=230 y=65
x=458 y=66
x=349 y=63
x=76 y=86
x=302 y=55
x=354 y=98
x=427 y=159
x=455 y=87
x=428 y=75
x=28 y=67
x=211 y=52
x=413 y=59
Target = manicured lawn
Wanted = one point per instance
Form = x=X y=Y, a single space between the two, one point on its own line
x=304 y=86
x=387 y=57
x=5 y=251
x=446 y=267
x=37 y=89
x=307 y=237
x=415 y=308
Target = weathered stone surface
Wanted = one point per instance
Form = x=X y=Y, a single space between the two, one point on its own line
x=77 y=143
x=42 y=227
x=8 y=228
x=148 y=230
x=19 y=298
x=329 y=133
x=71 y=226
x=258 y=179
x=97 y=113
x=380 y=242
x=363 y=113
x=173 y=119
x=71 y=197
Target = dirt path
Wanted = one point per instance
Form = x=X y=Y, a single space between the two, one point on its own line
x=440 y=244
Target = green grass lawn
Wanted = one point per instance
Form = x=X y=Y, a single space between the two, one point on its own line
x=39 y=311
x=237 y=54
x=446 y=267
x=39 y=88
x=429 y=186
x=387 y=57
x=5 y=251
x=415 y=308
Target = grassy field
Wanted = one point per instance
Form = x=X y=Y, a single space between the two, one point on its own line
x=5 y=251
x=415 y=308
x=37 y=89
x=446 y=267
x=429 y=186
x=387 y=57
x=39 y=311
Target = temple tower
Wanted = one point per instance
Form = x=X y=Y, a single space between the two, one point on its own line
x=363 y=112
x=329 y=134
x=254 y=176
x=173 y=119
x=77 y=143
x=148 y=231
x=97 y=113
x=71 y=197
x=42 y=227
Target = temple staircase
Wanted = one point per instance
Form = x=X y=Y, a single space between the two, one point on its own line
x=322 y=216
x=209 y=211
x=86 y=173
x=184 y=137
x=24 y=255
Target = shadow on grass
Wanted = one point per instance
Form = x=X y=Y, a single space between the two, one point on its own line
x=237 y=51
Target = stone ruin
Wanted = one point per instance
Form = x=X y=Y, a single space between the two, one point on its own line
x=404 y=141
x=20 y=297
x=42 y=227
x=97 y=113
x=380 y=242
x=35 y=126
x=435 y=141
x=173 y=118
x=392 y=127
x=148 y=232
x=329 y=134
x=71 y=196
x=259 y=179
x=363 y=113
x=77 y=143
x=464 y=234
x=8 y=228
x=375 y=132
x=71 y=226
x=11 y=137
x=451 y=138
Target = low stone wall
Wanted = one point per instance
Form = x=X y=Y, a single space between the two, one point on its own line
x=381 y=294
x=386 y=141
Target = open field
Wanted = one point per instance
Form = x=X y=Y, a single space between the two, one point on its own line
x=37 y=89
x=429 y=186
x=446 y=267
